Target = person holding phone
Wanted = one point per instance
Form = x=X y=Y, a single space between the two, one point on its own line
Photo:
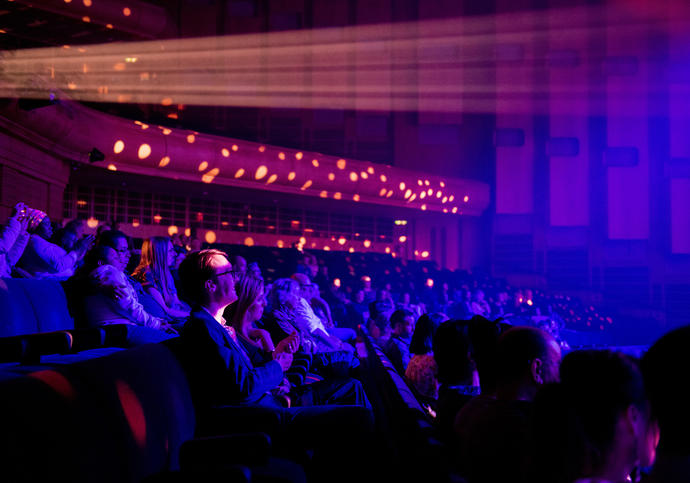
x=13 y=239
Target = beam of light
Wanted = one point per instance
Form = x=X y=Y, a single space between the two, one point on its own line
x=433 y=65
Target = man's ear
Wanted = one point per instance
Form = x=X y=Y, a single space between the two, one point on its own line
x=210 y=286
x=633 y=418
x=536 y=368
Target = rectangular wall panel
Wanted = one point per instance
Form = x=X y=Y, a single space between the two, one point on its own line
x=680 y=215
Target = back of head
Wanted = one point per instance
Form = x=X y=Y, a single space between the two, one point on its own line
x=422 y=337
x=451 y=346
x=280 y=289
x=194 y=271
x=484 y=335
x=516 y=351
x=575 y=422
x=661 y=366
x=248 y=289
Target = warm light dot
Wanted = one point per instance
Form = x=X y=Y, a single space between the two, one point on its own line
x=272 y=179
x=331 y=176
x=420 y=182
x=451 y=198
x=166 y=131
x=166 y=101
x=416 y=253
x=402 y=186
x=383 y=178
x=239 y=173
x=444 y=200
x=326 y=248
x=426 y=182
x=353 y=176
x=187 y=232
x=455 y=209
x=389 y=194
x=388 y=249
x=315 y=163
x=442 y=184
x=109 y=25
x=337 y=195
x=126 y=12
x=324 y=194
x=336 y=282
x=408 y=193
x=281 y=156
x=402 y=238
x=367 y=243
x=135 y=223
x=422 y=195
x=210 y=176
x=342 y=240
x=341 y=163
x=203 y=165
x=445 y=210
x=71 y=85
x=429 y=282
x=157 y=218
x=86 y=19
x=249 y=241
x=112 y=167
x=529 y=302
x=351 y=250
x=172 y=230
x=412 y=198
x=68 y=1
x=439 y=194
x=292 y=176
x=262 y=149
x=430 y=192
x=261 y=172
x=280 y=243
x=306 y=185
x=425 y=254
x=382 y=192
x=92 y=222
x=302 y=240
x=299 y=155
x=466 y=199
x=119 y=146
x=225 y=152
x=355 y=197
x=423 y=207
x=370 y=170
x=210 y=237
x=191 y=138
x=234 y=147
x=144 y=151
x=165 y=160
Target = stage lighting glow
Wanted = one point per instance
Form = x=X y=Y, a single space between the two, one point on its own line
x=363 y=175
x=135 y=223
x=281 y=156
x=423 y=207
x=331 y=176
x=299 y=155
x=367 y=243
x=119 y=146
x=342 y=240
x=126 y=11
x=466 y=199
x=172 y=230
x=383 y=178
x=370 y=170
x=425 y=254
x=210 y=176
x=202 y=166
x=262 y=149
x=157 y=218
x=430 y=191
x=351 y=250
x=210 y=237
x=323 y=194
x=326 y=248
x=239 y=173
x=191 y=138
x=187 y=232
x=429 y=282
x=341 y=163
x=454 y=210
x=402 y=186
x=144 y=151
x=402 y=238
x=302 y=240
x=315 y=163
x=249 y=241
x=272 y=179
x=422 y=195
x=439 y=194
x=337 y=195
x=291 y=176
x=408 y=193
x=307 y=184
x=451 y=198
x=336 y=282
x=92 y=222
x=166 y=131
x=383 y=192
x=225 y=152
x=112 y=167
x=355 y=197
x=280 y=243
x=353 y=176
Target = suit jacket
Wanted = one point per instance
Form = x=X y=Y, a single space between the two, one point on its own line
x=220 y=371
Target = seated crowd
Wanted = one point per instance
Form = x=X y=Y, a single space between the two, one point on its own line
x=503 y=397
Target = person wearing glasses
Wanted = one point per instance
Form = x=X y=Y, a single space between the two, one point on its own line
x=101 y=293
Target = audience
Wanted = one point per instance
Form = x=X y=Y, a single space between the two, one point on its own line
x=422 y=371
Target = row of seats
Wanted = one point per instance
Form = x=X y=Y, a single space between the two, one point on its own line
x=413 y=448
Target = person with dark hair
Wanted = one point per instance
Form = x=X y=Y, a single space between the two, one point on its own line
x=665 y=360
x=595 y=426
x=491 y=429
x=398 y=346
x=457 y=373
x=422 y=371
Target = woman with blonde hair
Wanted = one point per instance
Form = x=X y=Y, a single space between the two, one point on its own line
x=153 y=272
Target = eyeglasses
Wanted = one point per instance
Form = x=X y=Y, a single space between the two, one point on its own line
x=231 y=272
x=123 y=251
